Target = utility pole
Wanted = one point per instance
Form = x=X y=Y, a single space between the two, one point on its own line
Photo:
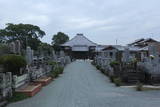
x=116 y=41
x=151 y=34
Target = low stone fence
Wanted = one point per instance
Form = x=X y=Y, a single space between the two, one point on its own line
x=20 y=80
x=6 y=84
x=152 y=68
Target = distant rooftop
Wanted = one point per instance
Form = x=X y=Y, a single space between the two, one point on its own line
x=79 y=40
x=142 y=42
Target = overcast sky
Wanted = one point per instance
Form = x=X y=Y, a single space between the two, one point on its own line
x=102 y=21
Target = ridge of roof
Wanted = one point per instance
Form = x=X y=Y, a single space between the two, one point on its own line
x=79 y=39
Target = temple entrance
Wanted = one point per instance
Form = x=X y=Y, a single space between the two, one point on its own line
x=80 y=55
x=79 y=47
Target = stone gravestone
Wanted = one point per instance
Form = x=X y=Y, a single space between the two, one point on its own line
x=18 y=47
x=62 y=58
x=62 y=54
x=68 y=59
x=54 y=55
x=12 y=47
x=29 y=55
x=32 y=54
x=15 y=47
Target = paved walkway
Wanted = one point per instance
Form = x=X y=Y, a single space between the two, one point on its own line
x=82 y=85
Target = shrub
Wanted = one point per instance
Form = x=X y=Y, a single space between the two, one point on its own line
x=60 y=70
x=98 y=67
x=55 y=72
x=113 y=63
x=139 y=86
x=111 y=78
x=102 y=70
x=52 y=63
x=13 y=63
x=117 y=81
x=4 y=49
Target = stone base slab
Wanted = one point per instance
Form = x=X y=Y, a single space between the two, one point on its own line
x=44 y=81
x=31 y=89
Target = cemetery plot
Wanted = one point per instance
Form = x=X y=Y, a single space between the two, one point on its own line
x=30 y=89
x=44 y=81
x=82 y=86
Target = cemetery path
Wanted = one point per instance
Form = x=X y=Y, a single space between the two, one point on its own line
x=82 y=85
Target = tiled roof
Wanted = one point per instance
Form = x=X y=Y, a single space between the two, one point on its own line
x=100 y=47
x=79 y=40
x=144 y=48
x=118 y=47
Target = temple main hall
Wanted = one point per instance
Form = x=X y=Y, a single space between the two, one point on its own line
x=80 y=47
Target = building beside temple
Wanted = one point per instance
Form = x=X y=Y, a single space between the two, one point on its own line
x=80 y=47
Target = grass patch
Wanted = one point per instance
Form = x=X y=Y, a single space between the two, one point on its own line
x=17 y=97
x=117 y=81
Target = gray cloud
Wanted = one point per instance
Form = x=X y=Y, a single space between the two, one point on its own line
x=102 y=21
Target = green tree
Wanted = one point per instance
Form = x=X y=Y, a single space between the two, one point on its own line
x=59 y=39
x=4 y=49
x=45 y=49
x=12 y=63
x=28 y=34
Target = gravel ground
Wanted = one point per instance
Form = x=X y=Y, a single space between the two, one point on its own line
x=82 y=85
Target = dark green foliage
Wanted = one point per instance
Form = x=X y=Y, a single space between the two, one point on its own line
x=117 y=81
x=102 y=70
x=53 y=63
x=26 y=33
x=98 y=67
x=111 y=78
x=4 y=49
x=60 y=70
x=45 y=49
x=54 y=74
x=56 y=70
x=114 y=63
x=139 y=86
x=13 y=63
x=131 y=65
x=17 y=97
x=58 y=39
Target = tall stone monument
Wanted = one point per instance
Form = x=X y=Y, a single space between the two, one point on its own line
x=29 y=55
x=54 y=56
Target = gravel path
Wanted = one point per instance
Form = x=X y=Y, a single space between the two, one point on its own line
x=82 y=85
